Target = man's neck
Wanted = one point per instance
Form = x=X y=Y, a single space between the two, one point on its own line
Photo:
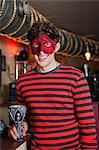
x=48 y=68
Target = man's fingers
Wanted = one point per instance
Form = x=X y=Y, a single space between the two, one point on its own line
x=13 y=132
x=13 y=135
x=23 y=131
x=24 y=128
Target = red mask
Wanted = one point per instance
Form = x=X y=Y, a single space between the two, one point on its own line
x=43 y=43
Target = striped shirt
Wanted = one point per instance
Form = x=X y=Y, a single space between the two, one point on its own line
x=59 y=109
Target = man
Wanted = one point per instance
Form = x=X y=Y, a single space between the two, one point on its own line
x=59 y=108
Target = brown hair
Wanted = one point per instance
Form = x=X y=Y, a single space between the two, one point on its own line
x=43 y=28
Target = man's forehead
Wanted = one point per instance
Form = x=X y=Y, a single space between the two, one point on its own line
x=42 y=37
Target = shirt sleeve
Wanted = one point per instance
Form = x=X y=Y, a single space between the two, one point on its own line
x=21 y=101
x=19 y=98
x=85 y=114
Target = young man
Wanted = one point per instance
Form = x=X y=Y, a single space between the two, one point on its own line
x=59 y=108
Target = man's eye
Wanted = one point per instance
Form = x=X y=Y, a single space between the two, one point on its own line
x=47 y=44
x=35 y=44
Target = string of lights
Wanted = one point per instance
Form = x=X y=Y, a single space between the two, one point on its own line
x=71 y=44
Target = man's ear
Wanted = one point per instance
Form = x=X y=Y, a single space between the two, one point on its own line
x=57 y=46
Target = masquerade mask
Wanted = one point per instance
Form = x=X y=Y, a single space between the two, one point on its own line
x=43 y=43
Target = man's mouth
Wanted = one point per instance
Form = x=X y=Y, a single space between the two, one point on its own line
x=43 y=57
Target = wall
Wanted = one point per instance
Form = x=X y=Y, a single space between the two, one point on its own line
x=77 y=62
x=9 y=49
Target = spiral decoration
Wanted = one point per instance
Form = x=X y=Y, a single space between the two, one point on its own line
x=17 y=17
x=75 y=45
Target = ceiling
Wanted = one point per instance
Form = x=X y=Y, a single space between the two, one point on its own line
x=78 y=16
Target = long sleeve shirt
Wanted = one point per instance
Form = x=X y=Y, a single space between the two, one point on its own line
x=59 y=109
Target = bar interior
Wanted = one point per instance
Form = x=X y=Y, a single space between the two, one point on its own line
x=16 y=18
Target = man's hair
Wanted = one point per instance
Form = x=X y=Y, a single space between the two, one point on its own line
x=43 y=28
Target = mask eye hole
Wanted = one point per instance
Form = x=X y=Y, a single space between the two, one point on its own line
x=47 y=44
x=35 y=45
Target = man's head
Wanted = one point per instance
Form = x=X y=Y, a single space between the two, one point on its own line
x=43 y=37
x=44 y=40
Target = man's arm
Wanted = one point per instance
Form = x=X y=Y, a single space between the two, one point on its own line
x=21 y=101
x=85 y=114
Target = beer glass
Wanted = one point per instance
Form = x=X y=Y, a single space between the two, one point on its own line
x=17 y=113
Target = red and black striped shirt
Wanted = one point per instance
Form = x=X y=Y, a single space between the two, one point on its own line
x=59 y=108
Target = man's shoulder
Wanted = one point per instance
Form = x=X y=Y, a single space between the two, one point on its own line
x=72 y=70
x=70 y=67
x=26 y=75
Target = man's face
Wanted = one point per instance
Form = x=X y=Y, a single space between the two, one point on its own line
x=43 y=49
x=43 y=43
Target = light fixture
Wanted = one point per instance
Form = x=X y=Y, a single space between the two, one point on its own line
x=87 y=53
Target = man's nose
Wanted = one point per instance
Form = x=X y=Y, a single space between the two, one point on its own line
x=41 y=52
x=40 y=47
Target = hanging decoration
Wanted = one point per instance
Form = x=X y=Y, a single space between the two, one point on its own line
x=17 y=17
x=87 y=53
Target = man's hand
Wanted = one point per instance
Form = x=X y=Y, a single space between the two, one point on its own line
x=12 y=132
